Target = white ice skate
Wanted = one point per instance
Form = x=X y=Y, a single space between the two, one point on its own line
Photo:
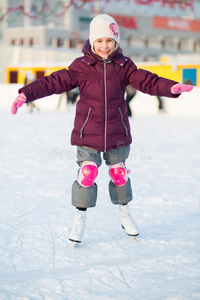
x=127 y=222
x=78 y=228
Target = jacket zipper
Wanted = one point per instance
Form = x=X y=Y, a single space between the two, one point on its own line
x=88 y=114
x=122 y=120
x=106 y=113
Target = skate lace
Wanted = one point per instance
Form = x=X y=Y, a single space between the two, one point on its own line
x=80 y=221
x=128 y=217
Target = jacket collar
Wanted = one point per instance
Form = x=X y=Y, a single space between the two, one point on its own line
x=91 y=58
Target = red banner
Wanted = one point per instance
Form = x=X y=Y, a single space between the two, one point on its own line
x=176 y=24
x=125 y=21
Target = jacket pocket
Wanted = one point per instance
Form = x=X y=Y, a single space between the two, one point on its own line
x=122 y=120
x=88 y=114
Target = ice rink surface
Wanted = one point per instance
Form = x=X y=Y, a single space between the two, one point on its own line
x=37 y=169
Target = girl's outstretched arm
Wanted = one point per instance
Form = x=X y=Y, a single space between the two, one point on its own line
x=56 y=83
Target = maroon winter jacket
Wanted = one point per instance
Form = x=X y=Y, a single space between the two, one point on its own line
x=101 y=120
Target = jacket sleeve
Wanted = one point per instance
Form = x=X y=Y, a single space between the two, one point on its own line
x=56 y=83
x=150 y=83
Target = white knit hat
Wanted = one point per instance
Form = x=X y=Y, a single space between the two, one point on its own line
x=103 y=26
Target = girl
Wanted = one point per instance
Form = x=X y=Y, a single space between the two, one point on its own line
x=101 y=122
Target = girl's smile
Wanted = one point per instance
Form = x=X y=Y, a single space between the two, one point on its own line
x=104 y=47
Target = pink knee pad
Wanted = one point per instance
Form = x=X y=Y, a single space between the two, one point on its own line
x=87 y=173
x=118 y=173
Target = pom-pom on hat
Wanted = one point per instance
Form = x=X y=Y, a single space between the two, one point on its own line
x=103 y=26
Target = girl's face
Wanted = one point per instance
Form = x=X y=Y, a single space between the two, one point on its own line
x=104 y=47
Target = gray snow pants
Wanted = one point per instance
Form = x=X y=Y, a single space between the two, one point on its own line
x=85 y=197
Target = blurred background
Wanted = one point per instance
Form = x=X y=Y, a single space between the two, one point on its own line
x=162 y=36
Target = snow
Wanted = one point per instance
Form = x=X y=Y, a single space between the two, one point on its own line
x=37 y=170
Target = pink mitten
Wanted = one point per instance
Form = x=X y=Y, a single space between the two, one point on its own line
x=179 y=88
x=19 y=101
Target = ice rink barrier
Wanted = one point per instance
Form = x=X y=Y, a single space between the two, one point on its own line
x=188 y=104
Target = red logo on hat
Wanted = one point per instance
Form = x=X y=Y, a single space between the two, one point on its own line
x=114 y=28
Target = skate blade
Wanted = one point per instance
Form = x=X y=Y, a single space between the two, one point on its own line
x=133 y=237
x=73 y=243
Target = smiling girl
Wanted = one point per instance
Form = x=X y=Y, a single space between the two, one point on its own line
x=101 y=123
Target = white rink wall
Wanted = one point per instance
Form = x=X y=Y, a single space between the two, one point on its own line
x=188 y=104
